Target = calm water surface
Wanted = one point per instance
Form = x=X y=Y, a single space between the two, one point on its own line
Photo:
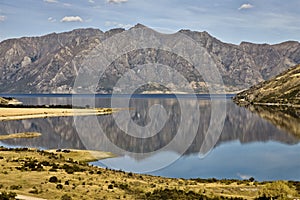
x=248 y=145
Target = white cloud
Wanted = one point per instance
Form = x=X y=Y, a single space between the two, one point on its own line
x=2 y=18
x=51 y=19
x=245 y=6
x=67 y=4
x=91 y=1
x=117 y=1
x=118 y=25
x=71 y=19
x=244 y=176
x=51 y=1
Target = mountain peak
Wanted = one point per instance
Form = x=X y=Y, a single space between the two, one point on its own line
x=138 y=25
x=188 y=31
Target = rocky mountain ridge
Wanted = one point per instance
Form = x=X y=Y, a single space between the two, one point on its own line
x=50 y=63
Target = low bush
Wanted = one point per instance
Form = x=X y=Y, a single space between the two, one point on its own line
x=110 y=186
x=15 y=187
x=53 y=179
x=66 y=197
x=59 y=186
x=7 y=196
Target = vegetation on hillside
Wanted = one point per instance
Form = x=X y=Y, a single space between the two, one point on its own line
x=284 y=89
x=51 y=176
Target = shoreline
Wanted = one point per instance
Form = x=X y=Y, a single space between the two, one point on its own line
x=243 y=103
x=20 y=135
x=277 y=104
x=85 y=156
x=7 y=113
x=49 y=175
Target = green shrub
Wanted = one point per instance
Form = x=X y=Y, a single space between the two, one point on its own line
x=180 y=194
x=7 y=196
x=59 y=186
x=110 y=186
x=251 y=179
x=66 y=197
x=123 y=186
x=70 y=169
x=15 y=187
x=53 y=179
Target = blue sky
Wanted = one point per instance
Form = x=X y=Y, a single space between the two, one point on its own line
x=259 y=21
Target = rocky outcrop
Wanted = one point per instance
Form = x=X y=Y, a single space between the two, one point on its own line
x=50 y=64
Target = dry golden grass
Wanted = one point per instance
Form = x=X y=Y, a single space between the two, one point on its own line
x=20 y=135
x=30 y=113
x=28 y=172
x=83 y=155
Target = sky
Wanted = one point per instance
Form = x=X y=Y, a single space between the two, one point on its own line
x=232 y=21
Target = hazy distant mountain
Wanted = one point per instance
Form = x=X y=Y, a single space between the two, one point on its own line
x=49 y=64
x=283 y=89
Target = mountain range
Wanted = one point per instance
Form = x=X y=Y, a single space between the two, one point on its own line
x=50 y=63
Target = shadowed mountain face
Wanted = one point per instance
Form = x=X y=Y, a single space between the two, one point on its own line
x=50 y=64
x=240 y=125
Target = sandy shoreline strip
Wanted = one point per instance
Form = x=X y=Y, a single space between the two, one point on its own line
x=83 y=155
x=7 y=114
x=20 y=135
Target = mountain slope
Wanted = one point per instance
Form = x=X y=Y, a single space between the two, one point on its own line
x=49 y=64
x=283 y=89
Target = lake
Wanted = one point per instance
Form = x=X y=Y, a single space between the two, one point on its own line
x=168 y=136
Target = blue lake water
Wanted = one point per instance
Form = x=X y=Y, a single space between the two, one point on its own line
x=247 y=145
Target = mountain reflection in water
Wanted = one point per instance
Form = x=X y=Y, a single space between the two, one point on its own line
x=283 y=117
x=60 y=132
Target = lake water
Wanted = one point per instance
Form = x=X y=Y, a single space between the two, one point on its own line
x=171 y=142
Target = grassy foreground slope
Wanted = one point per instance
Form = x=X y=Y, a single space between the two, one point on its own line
x=284 y=89
x=55 y=176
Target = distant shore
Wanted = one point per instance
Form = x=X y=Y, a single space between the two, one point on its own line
x=12 y=113
x=20 y=135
